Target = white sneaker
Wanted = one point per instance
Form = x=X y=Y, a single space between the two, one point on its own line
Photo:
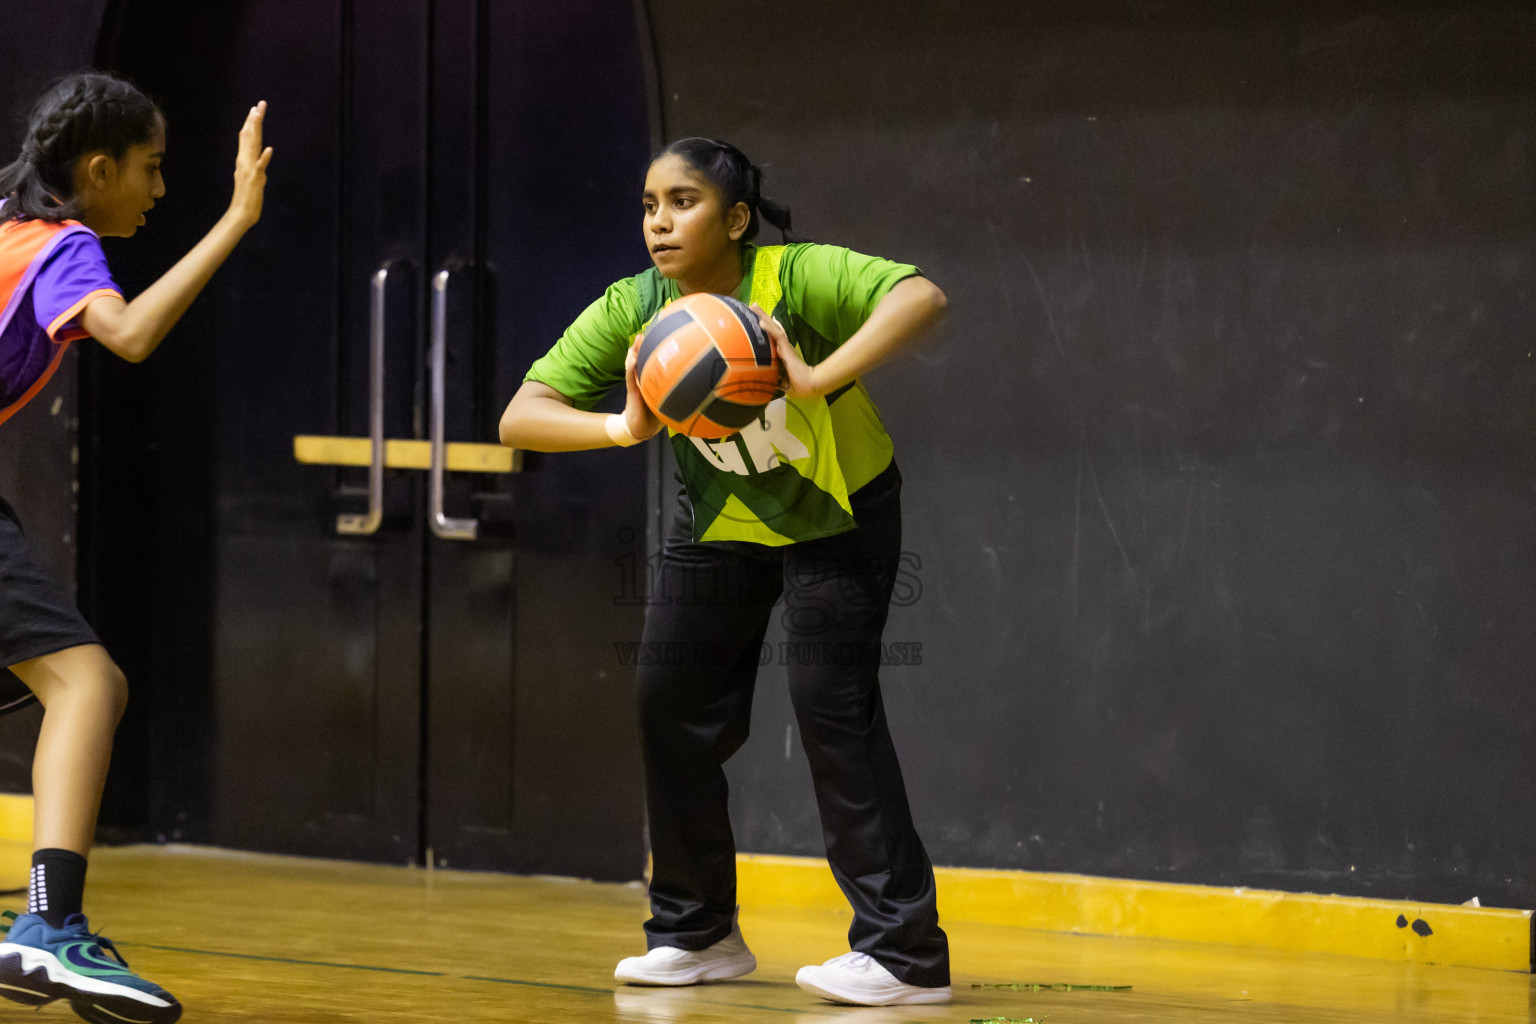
x=859 y=979
x=668 y=965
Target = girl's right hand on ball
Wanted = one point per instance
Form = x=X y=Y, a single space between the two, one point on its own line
x=251 y=168
x=638 y=417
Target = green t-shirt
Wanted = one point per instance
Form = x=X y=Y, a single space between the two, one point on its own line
x=786 y=477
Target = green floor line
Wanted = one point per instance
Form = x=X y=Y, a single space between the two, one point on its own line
x=284 y=960
x=643 y=988
x=1040 y=986
x=586 y=990
x=539 y=984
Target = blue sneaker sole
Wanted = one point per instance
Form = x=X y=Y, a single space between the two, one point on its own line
x=36 y=987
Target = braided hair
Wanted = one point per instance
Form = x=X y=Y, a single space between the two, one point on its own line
x=90 y=112
x=737 y=179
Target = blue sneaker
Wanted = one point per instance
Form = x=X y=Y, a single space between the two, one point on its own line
x=39 y=964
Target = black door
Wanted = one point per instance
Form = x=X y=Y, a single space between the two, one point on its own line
x=410 y=630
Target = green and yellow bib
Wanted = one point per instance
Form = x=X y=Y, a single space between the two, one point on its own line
x=787 y=477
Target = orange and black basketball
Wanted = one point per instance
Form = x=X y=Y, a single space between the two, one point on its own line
x=706 y=367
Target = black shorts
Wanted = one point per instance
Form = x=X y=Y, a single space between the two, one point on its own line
x=37 y=615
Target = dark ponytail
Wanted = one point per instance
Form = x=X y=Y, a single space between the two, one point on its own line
x=82 y=114
x=737 y=179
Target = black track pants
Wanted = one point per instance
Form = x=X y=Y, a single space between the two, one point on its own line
x=705 y=626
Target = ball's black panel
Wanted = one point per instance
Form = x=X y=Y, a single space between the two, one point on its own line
x=660 y=331
x=762 y=348
x=691 y=391
x=732 y=414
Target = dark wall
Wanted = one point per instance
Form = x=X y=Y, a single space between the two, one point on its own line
x=1220 y=495
x=37 y=467
x=1220 y=491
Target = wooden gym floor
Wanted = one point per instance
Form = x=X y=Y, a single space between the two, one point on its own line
x=241 y=937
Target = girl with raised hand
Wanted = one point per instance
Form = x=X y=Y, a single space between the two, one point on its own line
x=89 y=168
x=804 y=503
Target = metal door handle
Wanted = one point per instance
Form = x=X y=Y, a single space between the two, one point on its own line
x=443 y=526
x=368 y=523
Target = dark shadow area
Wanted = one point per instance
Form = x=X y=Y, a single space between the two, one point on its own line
x=1219 y=479
x=148 y=441
x=37 y=445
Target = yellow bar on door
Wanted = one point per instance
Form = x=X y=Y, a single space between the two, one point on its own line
x=463 y=457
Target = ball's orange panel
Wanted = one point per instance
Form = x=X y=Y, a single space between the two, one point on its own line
x=733 y=341
x=672 y=382
x=701 y=348
x=749 y=384
x=703 y=426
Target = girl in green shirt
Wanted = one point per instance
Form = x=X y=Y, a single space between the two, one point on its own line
x=804 y=504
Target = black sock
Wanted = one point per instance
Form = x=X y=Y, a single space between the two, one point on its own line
x=58 y=886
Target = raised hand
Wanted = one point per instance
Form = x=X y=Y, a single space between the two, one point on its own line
x=251 y=168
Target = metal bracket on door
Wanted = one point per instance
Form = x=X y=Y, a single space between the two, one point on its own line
x=368 y=523
x=446 y=527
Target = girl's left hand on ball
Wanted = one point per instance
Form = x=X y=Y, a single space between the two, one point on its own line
x=797 y=378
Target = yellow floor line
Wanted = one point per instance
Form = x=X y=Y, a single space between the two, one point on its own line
x=15 y=817
x=1255 y=918
x=15 y=840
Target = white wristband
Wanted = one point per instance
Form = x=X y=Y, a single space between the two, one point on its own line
x=618 y=430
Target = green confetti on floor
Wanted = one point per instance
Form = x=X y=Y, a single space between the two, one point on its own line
x=1005 y=1020
x=1040 y=986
